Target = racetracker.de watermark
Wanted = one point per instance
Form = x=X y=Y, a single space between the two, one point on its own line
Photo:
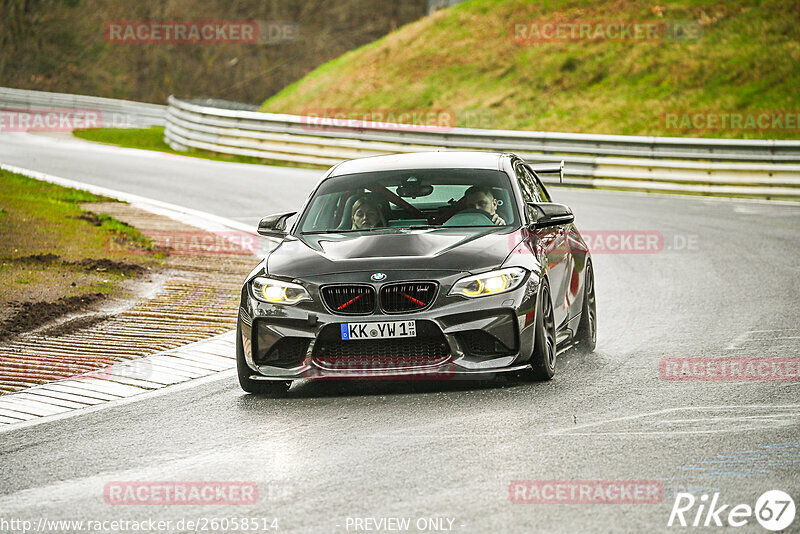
x=180 y=493
x=192 y=243
x=48 y=368
x=49 y=119
x=586 y=492
x=777 y=120
x=624 y=241
x=235 y=523
x=621 y=242
x=413 y=120
x=574 y=30
x=730 y=369
x=200 y=32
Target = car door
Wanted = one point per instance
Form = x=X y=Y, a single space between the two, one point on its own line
x=577 y=252
x=554 y=245
x=575 y=257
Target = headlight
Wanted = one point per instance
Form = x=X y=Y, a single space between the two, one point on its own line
x=489 y=283
x=277 y=291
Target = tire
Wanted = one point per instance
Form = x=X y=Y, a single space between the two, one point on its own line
x=543 y=358
x=586 y=336
x=272 y=388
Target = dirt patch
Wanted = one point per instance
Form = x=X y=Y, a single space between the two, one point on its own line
x=27 y=316
x=89 y=264
x=53 y=265
x=91 y=218
x=201 y=290
x=33 y=307
x=111 y=265
x=45 y=259
x=74 y=325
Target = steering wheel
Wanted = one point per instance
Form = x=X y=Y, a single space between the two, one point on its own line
x=471 y=211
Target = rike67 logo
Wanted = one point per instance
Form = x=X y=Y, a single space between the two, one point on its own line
x=774 y=510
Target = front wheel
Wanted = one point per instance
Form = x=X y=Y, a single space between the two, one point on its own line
x=586 y=335
x=543 y=359
x=272 y=388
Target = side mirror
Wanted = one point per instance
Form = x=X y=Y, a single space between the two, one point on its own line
x=274 y=225
x=550 y=214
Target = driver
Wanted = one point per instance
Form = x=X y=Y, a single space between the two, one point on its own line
x=481 y=198
x=367 y=213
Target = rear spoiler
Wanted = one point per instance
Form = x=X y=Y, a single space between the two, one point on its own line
x=550 y=168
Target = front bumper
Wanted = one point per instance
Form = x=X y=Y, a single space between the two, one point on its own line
x=506 y=317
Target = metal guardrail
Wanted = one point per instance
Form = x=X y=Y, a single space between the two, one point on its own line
x=727 y=167
x=114 y=113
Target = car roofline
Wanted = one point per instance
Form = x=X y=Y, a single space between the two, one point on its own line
x=341 y=168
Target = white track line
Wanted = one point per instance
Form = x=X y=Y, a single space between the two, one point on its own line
x=200 y=219
x=574 y=430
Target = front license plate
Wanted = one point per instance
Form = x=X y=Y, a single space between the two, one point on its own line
x=379 y=330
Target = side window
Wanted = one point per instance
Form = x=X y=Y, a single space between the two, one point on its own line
x=527 y=187
x=525 y=183
x=536 y=185
x=543 y=194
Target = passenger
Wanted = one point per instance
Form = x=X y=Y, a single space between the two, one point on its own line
x=367 y=214
x=481 y=198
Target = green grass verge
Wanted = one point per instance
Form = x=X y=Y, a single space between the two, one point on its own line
x=51 y=248
x=143 y=138
x=465 y=59
x=153 y=139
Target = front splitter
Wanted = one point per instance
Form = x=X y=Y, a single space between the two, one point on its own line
x=447 y=372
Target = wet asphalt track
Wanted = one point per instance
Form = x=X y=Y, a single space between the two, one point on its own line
x=725 y=285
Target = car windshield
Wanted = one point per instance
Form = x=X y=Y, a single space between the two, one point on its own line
x=411 y=199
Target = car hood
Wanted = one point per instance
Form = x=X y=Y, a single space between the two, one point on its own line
x=440 y=249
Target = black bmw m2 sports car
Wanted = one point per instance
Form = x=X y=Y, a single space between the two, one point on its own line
x=435 y=264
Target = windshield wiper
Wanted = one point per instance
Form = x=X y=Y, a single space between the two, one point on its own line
x=393 y=228
x=378 y=229
x=336 y=231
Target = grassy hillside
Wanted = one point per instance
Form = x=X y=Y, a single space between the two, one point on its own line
x=465 y=59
